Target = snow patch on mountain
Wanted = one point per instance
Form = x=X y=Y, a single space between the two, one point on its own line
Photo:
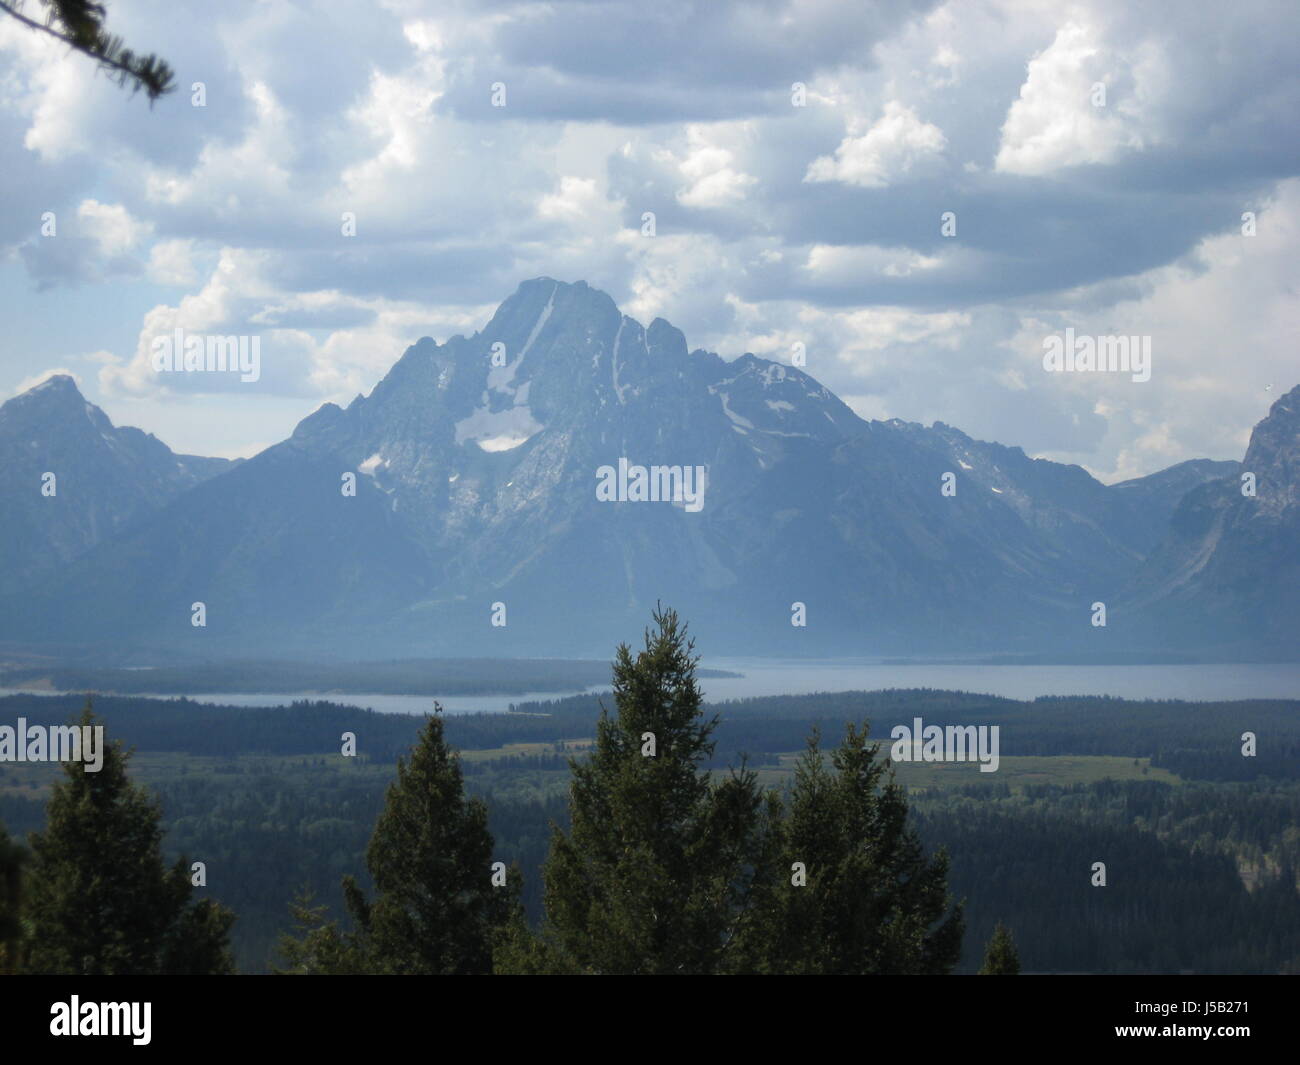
x=618 y=337
x=738 y=423
x=502 y=430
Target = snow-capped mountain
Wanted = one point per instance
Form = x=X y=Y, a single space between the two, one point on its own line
x=496 y=480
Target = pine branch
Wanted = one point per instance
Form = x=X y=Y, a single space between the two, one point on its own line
x=79 y=25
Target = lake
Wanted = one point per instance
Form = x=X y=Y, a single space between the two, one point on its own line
x=802 y=676
x=1204 y=682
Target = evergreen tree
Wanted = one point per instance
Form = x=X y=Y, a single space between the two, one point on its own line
x=853 y=891
x=436 y=909
x=654 y=874
x=320 y=948
x=198 y=941
x=519 y=951
x=1000 y=958
x=99 y=896
x=13 y=856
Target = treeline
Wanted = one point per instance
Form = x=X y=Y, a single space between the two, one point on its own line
x=1018 y=857
x=1022 y=858
x=409 y=676
x=1174 y=898
x=1197 y=740
x=1193 y=740
x=265 y=837
x=304 y=728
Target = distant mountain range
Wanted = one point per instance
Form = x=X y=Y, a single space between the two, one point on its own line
x=477 y=465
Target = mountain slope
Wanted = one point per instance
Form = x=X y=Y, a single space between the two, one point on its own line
x=1228 y=569
x=105 y=477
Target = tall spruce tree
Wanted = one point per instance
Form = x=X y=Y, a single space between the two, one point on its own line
x=1000 y=957
x=436 y=909
x=654 y=873
x=99 y=897
x=853 y=891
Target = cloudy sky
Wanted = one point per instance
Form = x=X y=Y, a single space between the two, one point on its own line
x=1098 y=158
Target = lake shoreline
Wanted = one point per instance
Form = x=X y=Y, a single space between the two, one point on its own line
x=729 y=680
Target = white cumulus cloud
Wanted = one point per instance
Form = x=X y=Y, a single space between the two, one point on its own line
x=898 y=144
x=1059 y=119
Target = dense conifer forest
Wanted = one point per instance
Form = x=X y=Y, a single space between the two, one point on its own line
x=1200 y=843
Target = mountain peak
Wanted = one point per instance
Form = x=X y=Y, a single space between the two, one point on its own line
x=105 y=477
x=665 y=337
x=55 y=397
x=540 y=290
x=58 y=384
x=524 y=312
x=57 y=380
